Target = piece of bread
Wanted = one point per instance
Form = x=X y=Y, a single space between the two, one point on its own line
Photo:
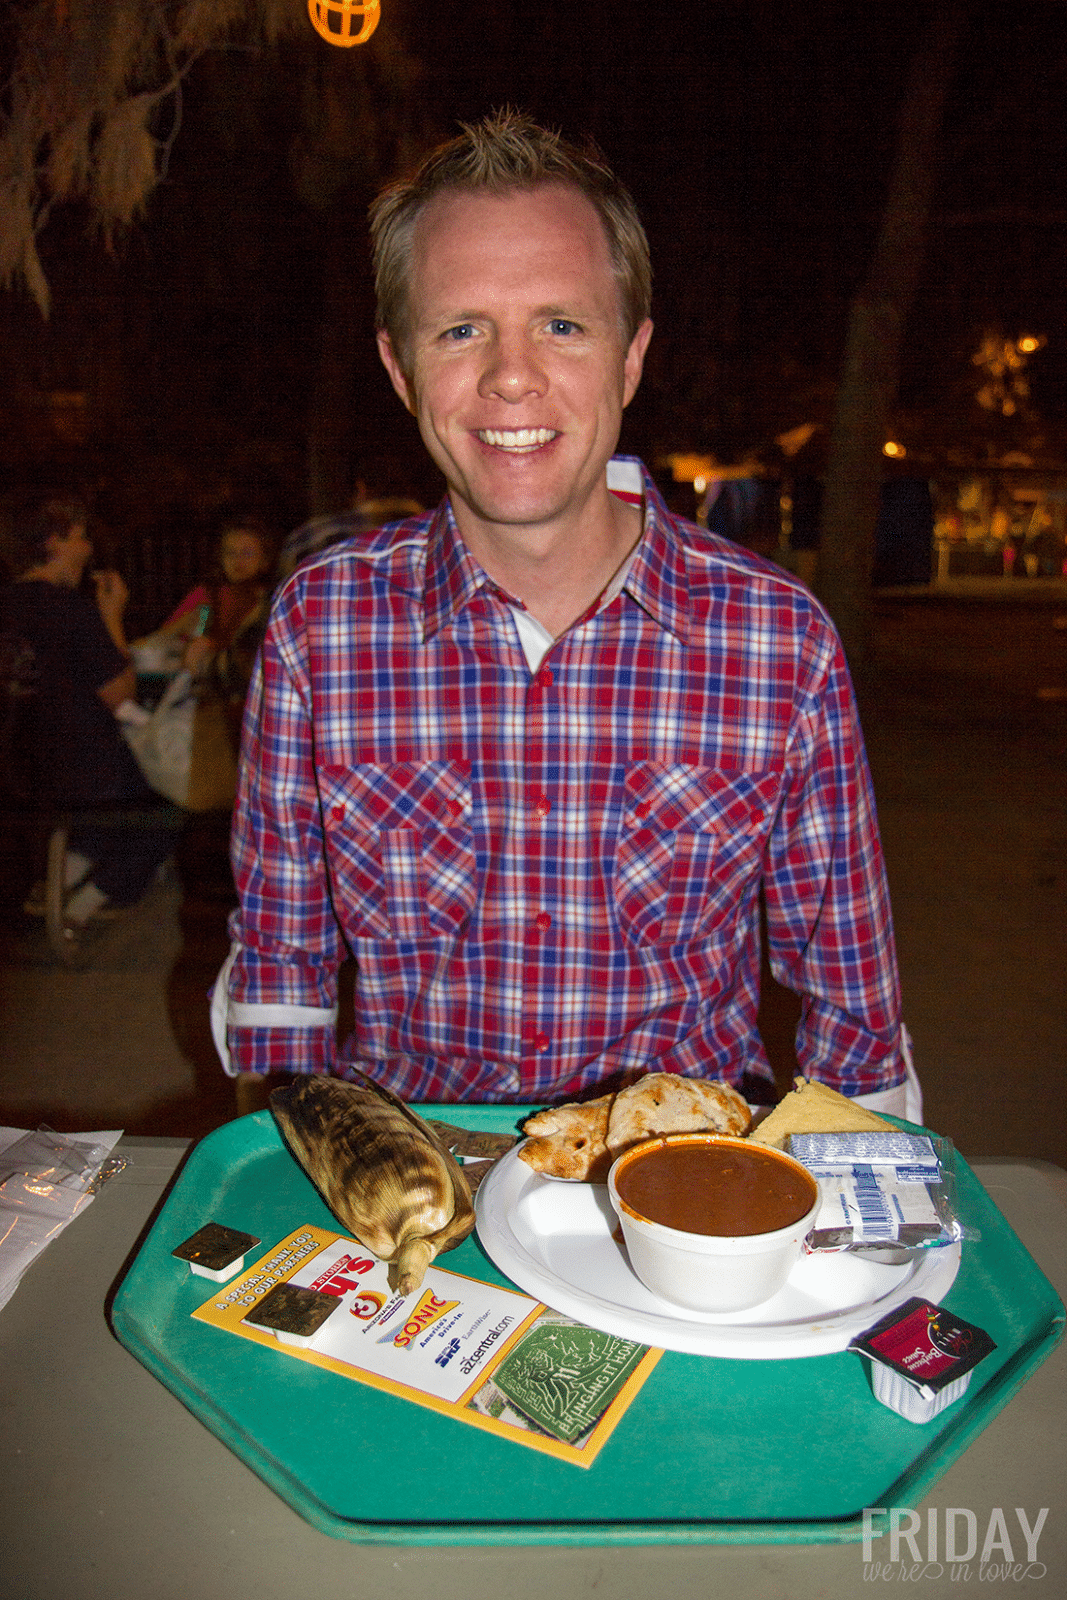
x=582 y=1140
x=665 y=1102
x=810 y=1107
x=570 y=1141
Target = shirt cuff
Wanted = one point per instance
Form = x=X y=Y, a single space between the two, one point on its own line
x=227 y=1014
x=904 y=1099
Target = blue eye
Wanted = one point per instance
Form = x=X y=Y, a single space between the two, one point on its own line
x=462 y=330
x=562 y=325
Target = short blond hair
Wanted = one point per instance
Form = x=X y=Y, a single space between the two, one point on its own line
x=505 y=151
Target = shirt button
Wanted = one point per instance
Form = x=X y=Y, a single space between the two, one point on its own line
x=542 y=806
x=542 y=922
x=544 y=678
x=338 y=813
x=454 y=808
x=643 y=810
x=541 y=1043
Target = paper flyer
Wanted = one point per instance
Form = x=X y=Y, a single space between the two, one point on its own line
x=486 y=1355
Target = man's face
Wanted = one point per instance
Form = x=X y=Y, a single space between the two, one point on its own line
x=517 y=369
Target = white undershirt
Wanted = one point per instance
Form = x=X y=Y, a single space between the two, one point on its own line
x=536 y=640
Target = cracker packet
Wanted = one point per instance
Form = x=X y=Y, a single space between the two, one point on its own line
x=881 y=1192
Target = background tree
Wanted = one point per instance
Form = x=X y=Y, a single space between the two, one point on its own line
x=877 y=321
x=94 y=103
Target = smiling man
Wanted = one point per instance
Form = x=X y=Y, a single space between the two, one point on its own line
x=536 y=757
x=517 y=363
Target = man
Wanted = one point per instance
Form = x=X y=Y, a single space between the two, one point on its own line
x=81 y=675
x=532 y=757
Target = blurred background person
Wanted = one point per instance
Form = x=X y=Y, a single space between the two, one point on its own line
x=238 y=585
x=80 y=675
x=216 y=630
x=322 y=532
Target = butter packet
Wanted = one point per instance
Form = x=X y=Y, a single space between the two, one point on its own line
x=880 y=1191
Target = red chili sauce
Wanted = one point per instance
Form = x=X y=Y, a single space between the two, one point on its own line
x=705 y=1188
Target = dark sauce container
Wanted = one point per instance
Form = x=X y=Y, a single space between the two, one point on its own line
x=922 y=1357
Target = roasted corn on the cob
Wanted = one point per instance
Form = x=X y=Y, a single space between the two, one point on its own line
x=380 y=1168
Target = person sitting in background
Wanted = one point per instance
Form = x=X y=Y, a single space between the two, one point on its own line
x=81 y=676
x=214 y=613
x=222 y=619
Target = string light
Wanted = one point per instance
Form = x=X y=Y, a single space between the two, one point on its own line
x=335 y=20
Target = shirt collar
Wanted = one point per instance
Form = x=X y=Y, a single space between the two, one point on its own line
x=453 y=577
x=656 y=576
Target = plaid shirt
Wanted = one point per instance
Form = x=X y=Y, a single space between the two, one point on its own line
x=551 y=876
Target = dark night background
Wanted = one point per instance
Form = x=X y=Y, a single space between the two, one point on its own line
x=222 y=355
x=223 y=352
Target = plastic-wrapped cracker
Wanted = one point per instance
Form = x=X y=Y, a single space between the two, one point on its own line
x=881 y=1191
x=895 y=1148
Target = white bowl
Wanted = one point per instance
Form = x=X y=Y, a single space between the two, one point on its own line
x=703 y=1271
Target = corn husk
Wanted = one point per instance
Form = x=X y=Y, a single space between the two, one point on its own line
x=381 y=1169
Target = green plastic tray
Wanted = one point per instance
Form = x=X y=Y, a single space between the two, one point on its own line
x=710 y=1450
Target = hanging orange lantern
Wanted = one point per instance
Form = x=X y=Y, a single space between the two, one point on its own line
x=335 y=20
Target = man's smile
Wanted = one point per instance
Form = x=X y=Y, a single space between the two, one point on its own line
x=519 y=439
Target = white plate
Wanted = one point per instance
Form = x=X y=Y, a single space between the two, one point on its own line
x=557 y=1242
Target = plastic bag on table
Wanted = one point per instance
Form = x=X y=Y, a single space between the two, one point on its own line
x=46 y=1178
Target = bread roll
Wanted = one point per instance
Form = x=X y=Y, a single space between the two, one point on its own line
x=665 y=1102
x=570 y=1141
x=582 y=1140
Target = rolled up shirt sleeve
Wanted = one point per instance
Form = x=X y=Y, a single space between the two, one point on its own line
x=829 y=924
x=274 y=1007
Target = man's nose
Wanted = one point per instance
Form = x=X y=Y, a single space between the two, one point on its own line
x=514 y=370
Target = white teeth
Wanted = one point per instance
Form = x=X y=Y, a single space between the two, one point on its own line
x=516 y=438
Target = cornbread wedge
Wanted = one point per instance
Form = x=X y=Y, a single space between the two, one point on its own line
x=811 y=1107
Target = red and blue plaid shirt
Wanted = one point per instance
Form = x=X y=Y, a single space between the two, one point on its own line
x=551 y=876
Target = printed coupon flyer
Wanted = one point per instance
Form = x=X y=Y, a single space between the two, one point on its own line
x=486 y=1355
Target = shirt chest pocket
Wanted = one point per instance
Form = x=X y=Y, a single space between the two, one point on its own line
x=691 y=840
x=400 y=848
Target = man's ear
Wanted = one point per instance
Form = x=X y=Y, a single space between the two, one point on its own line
x=635 y=360
x=394 y=369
